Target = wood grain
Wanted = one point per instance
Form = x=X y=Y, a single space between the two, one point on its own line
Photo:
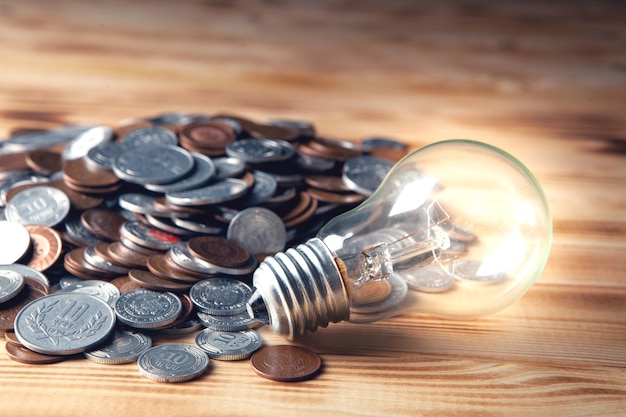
x=543 y=80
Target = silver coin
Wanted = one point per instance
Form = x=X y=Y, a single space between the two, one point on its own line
x=42 y=205
x=189 y=326
x=124 y=347
x=262 y=190
x=81 y=144
x=11 y=283
x=363 y=174
x=201 y=174
x=236 y=322
x=314 y=163
x=199 y=224
x=430 y=279
x=152 y=135
x=220 y=296
x=370 y=144
x=91 y=257
x=103 y=290
x=103 y=155
x=17 y=179
x=12 y=250
x=259 y=230
x=260 y=150
x=228 y=167
x=181 y=255
x=171 y=119
x=173 y=363
x=68 y=280
x=219 y=192
x=470 y=272
x=138 y=203
x=229 y=346
x=77 y=232
x=399 y=290
x=147 y=309
x=147 y=236
x=302 y=126
x=64 y=323
x=28 y=272
x=167 y=225
x=24 y=142
x=153 y=164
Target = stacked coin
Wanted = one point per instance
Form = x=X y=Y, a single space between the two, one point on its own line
x=156 y=226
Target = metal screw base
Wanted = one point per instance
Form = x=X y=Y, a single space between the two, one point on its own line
x=299 y=290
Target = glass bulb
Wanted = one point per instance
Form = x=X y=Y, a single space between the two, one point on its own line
x=457 y=229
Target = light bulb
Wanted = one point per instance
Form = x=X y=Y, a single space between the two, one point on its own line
x=457 y=229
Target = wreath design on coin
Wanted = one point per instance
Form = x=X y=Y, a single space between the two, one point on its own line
x=36 y=323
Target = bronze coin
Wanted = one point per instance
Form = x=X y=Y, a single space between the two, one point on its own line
x=104 y=224
x=370 y=292
x=262 y=131
x=78 y=200
x=44 y=161
x=13 y=162
x=186 y=312
x=335 y=198
x=126 y=256
x=158 y=265
x=218 y=251
x=286 y=363
x=119 y=282
x=74 y=262
x=304 y=202
x=22 y=354
x=304 y=216
x=212 y=136
x=9 y=309
x=327 y=183
x=80 y=174
x=10 y=337
x=130 y=286
x=148 y=279
x=46 y=246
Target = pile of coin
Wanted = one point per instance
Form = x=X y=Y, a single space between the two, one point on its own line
x=120 y=234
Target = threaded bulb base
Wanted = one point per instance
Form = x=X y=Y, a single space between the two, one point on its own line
x=299 y=290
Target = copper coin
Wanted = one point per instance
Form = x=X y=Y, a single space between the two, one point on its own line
x=218 y=251
x=78 y=200
x=20 y=353
x=327 y=183
x=207 y=137
x=286 y=363
x=148 y=279
x=13 y=162
x=74 y=262
x=119 y=282
x=335 y=198
x=158 y=265
x=104 y=224
x=10 y=337
x=79 y=173
x=126 y=256
x=130 y=286
x=370 y=292
x=44 y=161
x=46 y=246
x=9 y=309
x=262 y=131
x=304 y=216
x=304 y=202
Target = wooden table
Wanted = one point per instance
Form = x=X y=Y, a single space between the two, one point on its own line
x=544 y=80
